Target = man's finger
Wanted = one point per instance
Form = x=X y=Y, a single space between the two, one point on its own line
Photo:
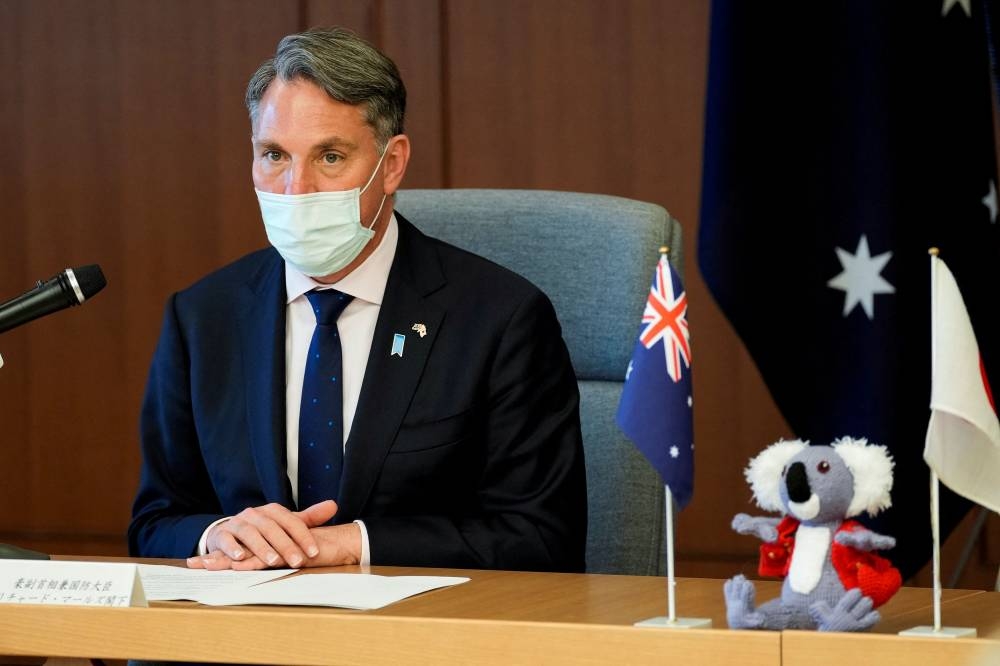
x=297 y=525
x=318 y=514
x=287 y=533
x=284 y=531
x=214 y=561
x=262 y=537
x=249 y=564
x=227 y=543
x=196 y=562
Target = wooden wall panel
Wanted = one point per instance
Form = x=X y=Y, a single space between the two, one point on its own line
x=361 y=16
x=71 y=160
x=580 y=95
x=13 y=274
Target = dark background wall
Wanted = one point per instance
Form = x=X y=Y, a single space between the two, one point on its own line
x=125 y=143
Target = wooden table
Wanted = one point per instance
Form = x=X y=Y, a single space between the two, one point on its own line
x=498 y=617
x=909 y=608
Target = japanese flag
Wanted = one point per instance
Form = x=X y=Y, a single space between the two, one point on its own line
x=963 y=436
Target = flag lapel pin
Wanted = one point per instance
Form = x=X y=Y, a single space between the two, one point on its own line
x=398 y=340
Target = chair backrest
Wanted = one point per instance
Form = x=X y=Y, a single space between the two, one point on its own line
x=593 y=255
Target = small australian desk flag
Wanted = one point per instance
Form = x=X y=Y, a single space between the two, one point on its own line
x=655 y=407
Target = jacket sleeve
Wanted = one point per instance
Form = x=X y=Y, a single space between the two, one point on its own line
x=175 y=501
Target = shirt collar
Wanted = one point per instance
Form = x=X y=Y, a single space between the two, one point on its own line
x=366 y=282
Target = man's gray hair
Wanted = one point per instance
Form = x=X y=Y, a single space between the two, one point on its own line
x=347 y=67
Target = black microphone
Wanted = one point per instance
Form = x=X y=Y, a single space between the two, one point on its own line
x=71 y=287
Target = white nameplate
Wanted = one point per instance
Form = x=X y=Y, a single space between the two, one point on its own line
x=109 y=584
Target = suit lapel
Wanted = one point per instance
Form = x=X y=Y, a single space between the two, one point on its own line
x=390 y=379
x=263 y=348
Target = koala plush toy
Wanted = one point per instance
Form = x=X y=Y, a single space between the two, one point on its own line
x=833 y=578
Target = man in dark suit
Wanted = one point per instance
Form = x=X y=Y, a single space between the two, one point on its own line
x=450 y=436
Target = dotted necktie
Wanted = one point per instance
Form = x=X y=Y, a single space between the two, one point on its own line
x=321 y=428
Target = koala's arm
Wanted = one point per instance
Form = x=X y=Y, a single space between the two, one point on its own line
x=764 y=528
x=865 y=540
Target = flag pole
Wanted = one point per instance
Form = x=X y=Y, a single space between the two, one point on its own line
x=936 y=541
x=671 y=621
x=935 y=499
x=936 y=631
x=669 y=511
x=671 y=581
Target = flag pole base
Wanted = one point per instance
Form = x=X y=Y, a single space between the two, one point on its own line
x=664 y=622
x=925 y=631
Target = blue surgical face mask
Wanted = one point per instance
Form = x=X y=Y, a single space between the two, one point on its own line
x=318 y=233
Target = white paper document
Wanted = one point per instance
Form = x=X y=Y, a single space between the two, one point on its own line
x=166 y=583
x=357 y=591
x=233 y=588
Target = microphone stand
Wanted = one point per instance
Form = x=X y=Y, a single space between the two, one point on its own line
x=8 y=552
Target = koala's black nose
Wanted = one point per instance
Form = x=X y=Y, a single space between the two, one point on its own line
x=797 y=483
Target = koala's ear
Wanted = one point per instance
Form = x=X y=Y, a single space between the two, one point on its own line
x=871 y=466
x=764 y=473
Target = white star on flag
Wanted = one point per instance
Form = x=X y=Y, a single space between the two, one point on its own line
x=861 y=280
x=946 y=6
x=990 y=201
x=674 y=452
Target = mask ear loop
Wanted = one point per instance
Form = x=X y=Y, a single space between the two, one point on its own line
x=370 y=179
x=377 y=213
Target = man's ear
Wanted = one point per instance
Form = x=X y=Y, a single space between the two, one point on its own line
x=397 y=157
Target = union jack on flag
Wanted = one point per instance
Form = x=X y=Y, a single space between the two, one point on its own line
x=655 y=410
x=665 y=318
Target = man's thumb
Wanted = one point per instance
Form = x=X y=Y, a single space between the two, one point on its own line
x=319 y=513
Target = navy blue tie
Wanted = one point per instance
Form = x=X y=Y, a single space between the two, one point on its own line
x=321 y=427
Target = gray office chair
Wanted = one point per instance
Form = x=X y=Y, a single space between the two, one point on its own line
x=593 y=255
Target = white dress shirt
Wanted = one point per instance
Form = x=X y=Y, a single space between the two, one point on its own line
x=356 y=328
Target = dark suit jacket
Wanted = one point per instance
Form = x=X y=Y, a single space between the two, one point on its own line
x=464 y=452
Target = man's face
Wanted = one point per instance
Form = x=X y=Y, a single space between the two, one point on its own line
x=304 y=142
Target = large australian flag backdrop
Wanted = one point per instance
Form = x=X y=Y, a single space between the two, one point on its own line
x=655 y=408
x=842 y=140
